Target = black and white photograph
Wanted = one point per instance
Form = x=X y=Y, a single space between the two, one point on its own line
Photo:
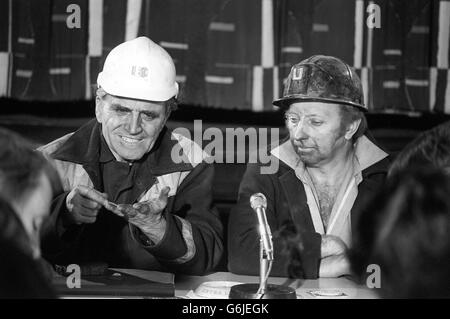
x=220 y=154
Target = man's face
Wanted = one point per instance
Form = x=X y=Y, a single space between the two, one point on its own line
x=316 y=131
x=130 y=127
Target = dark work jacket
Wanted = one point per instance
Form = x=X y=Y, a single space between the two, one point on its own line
x=286 y=206
x=193 y=241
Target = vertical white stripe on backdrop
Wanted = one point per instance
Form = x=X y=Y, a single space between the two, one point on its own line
x=132 y=19
x=267 y=45
x=443 y=48
x=368 y=94
x=369 y=45
x=87 y=76
x=433 y=87
x=95 y=42
x=447 y=95
x=9 y=67
x=365 y=84
x=443 y=35
x=4 y=68
x=359 y=31
x=257 y=92
x=276 y=83
x=267 y=54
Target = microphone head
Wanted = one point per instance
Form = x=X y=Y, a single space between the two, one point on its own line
x=258 y=200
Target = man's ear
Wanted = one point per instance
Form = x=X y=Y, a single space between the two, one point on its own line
x=352 y=128
x=98 y=108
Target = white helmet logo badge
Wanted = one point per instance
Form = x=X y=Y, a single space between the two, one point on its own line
x=140 y=71
x=298 y=74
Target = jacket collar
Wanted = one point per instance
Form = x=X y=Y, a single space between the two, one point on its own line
x=84 y=147
x=81 y=147
x=366 y=152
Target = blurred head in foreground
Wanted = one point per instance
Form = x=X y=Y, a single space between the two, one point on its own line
x=405 y=230
x=27 y=182
x=430 y=148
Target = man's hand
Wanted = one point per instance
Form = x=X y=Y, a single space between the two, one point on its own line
x=334 y=262
x=332 y=246
x=83 y=204
x=146 y=215
x=334 y=266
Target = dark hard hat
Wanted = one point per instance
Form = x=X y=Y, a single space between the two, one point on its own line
x=322 y=78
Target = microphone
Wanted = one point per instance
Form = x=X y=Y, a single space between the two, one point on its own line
x=258 y=202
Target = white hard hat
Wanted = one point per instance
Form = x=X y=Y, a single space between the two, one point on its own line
x=139 y=69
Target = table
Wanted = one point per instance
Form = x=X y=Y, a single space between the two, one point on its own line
x=184 y=284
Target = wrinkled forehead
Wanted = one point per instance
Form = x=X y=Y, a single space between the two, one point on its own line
x=329 y=110
x=135 y=105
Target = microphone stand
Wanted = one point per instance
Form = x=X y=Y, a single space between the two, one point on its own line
x=258 y=203
x=264 y=264
x=262 y=290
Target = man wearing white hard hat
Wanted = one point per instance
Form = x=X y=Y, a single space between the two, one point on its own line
x=327 y=167
x=125 y=201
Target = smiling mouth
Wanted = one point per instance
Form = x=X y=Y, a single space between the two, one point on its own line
x=130 y=140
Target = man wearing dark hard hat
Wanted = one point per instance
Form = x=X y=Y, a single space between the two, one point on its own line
x=326 y=169
x=125 y=202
